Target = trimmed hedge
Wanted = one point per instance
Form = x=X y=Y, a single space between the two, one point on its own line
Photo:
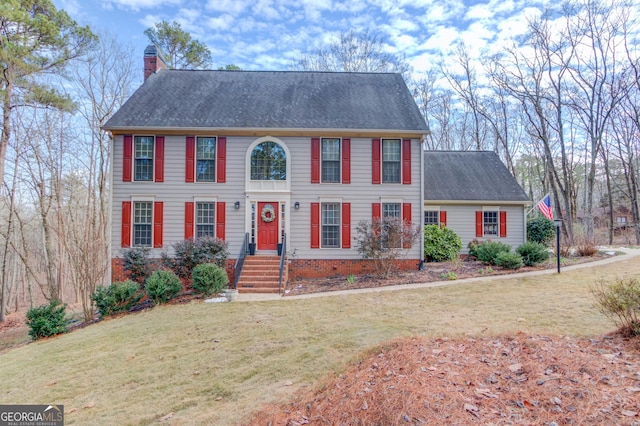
x=541 y=230
x=532 y=253
x=209 y=278
x=441 y=244
x=118 y=297
x=47 y=320
x=488 y=251
x=162 y=286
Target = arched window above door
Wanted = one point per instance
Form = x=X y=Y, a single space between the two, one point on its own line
x=268 y=162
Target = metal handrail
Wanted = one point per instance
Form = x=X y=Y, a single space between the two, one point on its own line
x=283 y=254
x=240 y=261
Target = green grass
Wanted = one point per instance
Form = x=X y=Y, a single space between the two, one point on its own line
x=216 y=363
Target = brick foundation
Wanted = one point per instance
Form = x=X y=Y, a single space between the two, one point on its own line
x=317 y=268
x=119 y=274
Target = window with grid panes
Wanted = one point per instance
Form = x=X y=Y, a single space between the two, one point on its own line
x=490 y=222
x=142 y=223
x=391 y=160
x=431 y=217
x=206 y=159
x=330 y=225
x=392 y=210
x=268 y=162
x=205 y=219
x=143 y=164
x=330 y=160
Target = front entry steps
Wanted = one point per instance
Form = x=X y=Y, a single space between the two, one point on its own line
x=261 y=274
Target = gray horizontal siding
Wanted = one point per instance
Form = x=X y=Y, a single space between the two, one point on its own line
x=462 y=220
x=174 y=192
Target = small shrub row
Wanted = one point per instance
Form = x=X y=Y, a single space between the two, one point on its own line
x=497 y=253
x=116 y=298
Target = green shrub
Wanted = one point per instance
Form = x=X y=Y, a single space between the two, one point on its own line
x=162 y=286
x=488 y=251
x=620 y=302
x=118 y=297
x=137 y=263
x=541 y=230
x=532 y=253
x=209 y=278
x=441 y=244
x=47 y=320
x=509 y=260
x=472 y=246
x=192 y=252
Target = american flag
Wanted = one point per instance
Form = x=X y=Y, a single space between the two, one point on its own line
x=545 y=207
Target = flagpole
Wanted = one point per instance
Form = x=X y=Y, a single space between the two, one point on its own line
x=548 y=194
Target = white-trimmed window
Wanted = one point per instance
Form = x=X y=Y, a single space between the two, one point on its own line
x=143 y=158
x=330 y=157
x=330 y=220
x=142 y=223
x=206 y=159
x=432 y=217
x=391 y=160
x=268 y=162
x=490 y=223
x=393 y=210
x=205 y=219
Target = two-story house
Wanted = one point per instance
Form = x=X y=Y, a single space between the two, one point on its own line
x=263 y=155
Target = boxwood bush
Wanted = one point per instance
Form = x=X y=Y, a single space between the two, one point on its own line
x=209 y=278
x=47 y=320
x=118 y=297
x=488 y=251
x=162 y=286
x=441 y=244
x=509 y=260
x=532 y=253
x=541 y=230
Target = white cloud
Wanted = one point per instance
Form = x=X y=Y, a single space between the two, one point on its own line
x=233 y=7
x=137 y=5
x=220 y=23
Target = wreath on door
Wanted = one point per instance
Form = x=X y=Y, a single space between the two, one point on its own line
x=268 y=213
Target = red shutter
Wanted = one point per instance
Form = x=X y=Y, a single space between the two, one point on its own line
x=478 y=224
x=159 y=159
x=503 y=224
x=158 y=219
x=406 y=161
x=221 y=218
x=188 y=220
x=127 y=158
x=315 y=225
x=125 y=238
x=443 y=218
x=191 y=160
x=375 y=160
x=376 y=209
x=406 y=212
x=315 y=160
x=346 y=160
x=346 y=225
x=222 y=160
x=406 y=218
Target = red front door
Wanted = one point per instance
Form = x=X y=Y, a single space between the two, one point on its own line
x=267 y=226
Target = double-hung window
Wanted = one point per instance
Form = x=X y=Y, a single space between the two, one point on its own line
x=205 y=219
x=490 y=222
x=330 y=213
x=392 y=212
x=431 y=217
x=206 y=159
x=391 y=160
x=330 y=149
x=142 y=223
x=143 y=164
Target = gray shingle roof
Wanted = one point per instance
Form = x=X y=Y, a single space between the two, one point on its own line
x=270 y=99
x=469 y=176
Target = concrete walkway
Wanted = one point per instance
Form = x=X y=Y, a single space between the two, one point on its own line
x=260 y=297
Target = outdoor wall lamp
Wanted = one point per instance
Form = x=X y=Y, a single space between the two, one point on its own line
x=236 y=205
x=296 y=205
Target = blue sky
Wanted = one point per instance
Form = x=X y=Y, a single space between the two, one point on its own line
x=270 y=34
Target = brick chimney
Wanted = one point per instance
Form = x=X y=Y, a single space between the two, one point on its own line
x=152 y=61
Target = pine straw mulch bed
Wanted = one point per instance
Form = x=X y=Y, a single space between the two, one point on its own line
x=505 y=380
x=462 y=268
